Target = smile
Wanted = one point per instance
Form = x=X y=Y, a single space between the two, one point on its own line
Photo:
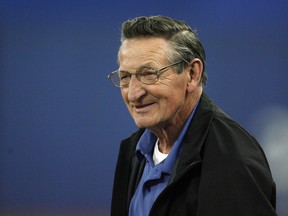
x=143 y=107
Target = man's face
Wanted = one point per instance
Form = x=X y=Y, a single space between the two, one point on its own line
x=157 y=105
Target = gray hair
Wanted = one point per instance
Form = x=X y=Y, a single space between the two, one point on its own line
x=183 y=40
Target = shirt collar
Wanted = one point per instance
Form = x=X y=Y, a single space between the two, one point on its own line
x=145 y=144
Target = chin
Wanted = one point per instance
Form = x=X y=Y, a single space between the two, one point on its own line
x=144 y=124
x=139 y=125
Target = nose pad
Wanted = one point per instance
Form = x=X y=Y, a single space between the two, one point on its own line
x=135 y=89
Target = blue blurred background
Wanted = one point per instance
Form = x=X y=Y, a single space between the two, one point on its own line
x=61 y=120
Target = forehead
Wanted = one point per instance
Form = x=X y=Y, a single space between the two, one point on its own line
x=140 y=51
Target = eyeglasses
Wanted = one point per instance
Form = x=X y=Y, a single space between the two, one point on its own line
x=147 y=76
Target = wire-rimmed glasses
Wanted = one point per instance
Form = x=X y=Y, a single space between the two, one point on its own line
x=146 y=75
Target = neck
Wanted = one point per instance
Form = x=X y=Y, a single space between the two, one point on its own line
x=169 y=133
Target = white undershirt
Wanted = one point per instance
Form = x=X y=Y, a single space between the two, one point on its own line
x=158 y=156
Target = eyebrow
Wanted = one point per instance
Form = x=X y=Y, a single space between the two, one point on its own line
x=138 y=69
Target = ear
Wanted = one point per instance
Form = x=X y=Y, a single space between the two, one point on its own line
x=195 y=72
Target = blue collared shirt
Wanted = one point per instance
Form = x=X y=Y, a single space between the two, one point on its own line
x=154 y=178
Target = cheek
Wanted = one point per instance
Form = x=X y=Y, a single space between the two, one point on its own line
x=178 y=95
x=124 y=95
x=178 y=91
x=173 y=99
x=125 y=98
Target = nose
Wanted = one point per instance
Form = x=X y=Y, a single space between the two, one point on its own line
x=135 y=89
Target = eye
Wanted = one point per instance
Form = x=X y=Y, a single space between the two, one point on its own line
x=124 y=76
x=148 y=74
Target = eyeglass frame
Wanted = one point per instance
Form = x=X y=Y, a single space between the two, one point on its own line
x=138 y=75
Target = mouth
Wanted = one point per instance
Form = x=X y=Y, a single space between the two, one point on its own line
x=142 y=107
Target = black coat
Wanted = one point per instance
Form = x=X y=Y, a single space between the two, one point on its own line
x=221 y=171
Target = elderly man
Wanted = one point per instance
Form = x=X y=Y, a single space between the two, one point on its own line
x=188 y=157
